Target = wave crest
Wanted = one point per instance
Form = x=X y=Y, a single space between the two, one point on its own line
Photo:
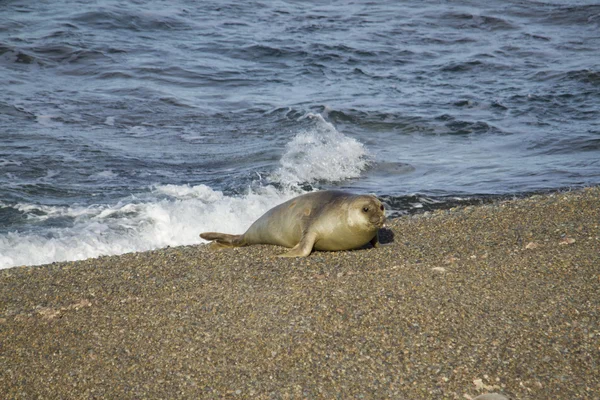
x=320 y=154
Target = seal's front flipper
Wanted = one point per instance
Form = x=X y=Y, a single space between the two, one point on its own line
x=303 y=248
x=221 y=240
x=375 y=241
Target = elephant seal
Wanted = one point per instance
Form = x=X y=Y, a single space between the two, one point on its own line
x=325 y=220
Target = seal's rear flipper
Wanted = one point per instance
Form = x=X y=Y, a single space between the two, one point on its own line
x=221 y=240
x=219 y=246
x=302 y=249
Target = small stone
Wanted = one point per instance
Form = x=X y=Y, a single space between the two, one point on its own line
x=491 y=396
x=532 y=245
x=479 y=385
x=451 y=259
x=438 y=269
x=567 y=240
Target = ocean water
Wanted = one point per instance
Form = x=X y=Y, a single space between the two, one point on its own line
x=128 y=126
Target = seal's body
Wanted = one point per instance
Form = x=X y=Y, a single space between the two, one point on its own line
x=326 y=220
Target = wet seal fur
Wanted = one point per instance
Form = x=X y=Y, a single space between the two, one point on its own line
x=326 y=220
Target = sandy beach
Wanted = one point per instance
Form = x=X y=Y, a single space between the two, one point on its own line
x=502 y=298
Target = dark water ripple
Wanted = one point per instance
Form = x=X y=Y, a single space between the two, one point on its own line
x=104 y=100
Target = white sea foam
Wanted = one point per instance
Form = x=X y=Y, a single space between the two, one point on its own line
x=172 y=215
x=43 y=212
x=5 y=162
x=321 y=153
x=108 y=174
x=171 y=221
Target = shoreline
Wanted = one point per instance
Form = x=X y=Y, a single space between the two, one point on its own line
x=499 y=297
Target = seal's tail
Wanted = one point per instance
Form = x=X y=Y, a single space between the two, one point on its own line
x=223 y=239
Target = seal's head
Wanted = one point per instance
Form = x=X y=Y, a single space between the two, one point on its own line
x=366 y=212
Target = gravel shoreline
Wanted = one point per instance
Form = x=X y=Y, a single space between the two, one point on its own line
x=496 y=298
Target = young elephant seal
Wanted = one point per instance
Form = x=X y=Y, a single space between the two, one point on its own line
x=326 y=220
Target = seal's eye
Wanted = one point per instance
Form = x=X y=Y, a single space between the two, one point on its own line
x=366 y=209
x=381 y=207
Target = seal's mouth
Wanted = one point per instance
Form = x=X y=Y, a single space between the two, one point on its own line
x=378 y=221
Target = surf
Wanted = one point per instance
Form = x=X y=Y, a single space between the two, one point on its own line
x=173 y=215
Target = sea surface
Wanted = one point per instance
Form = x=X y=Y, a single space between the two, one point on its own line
x=128 y=126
